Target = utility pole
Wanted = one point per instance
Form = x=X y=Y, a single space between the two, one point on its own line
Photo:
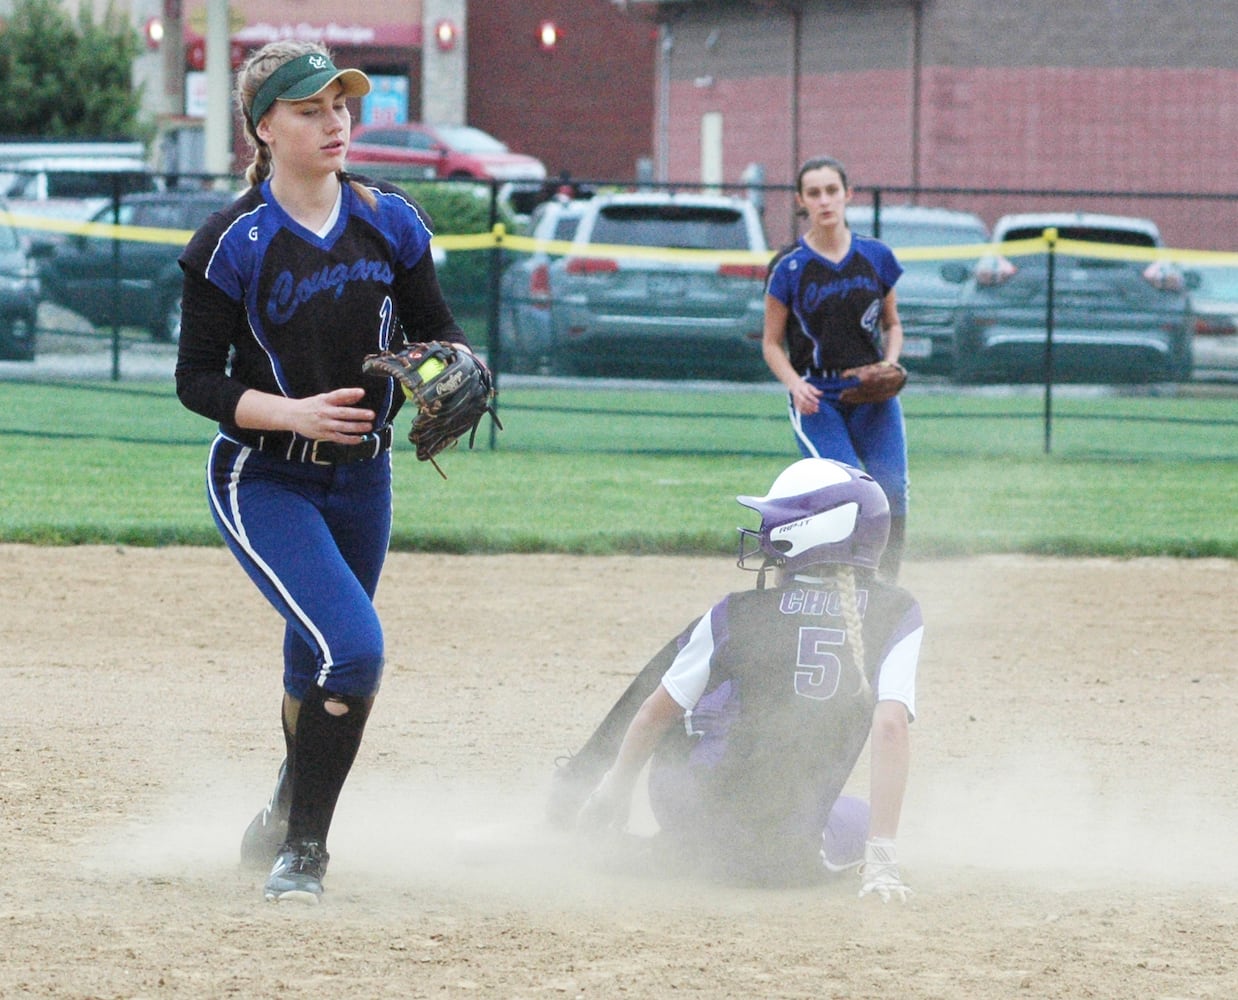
x=444 y=62
x=218 y=129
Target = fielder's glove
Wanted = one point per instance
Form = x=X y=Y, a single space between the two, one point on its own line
x=450 y=387
x=875 y=383
x=879 y=874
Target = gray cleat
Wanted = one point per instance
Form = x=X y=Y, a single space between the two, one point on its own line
x=298 y=872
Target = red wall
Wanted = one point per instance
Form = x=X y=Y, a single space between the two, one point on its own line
x=1101 y=129
x=585 y=107
x=1094 y=127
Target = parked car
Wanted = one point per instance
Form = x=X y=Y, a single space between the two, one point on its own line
x=80 y=273
x=928 y=291
x=71 y=187
x=1214 y=302
x=1214 y=318
x=1115 y=319
x=442 y=151
x=526 y=333
x=658 y=313
x=19 y=296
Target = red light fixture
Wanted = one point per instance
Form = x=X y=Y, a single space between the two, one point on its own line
x=152 y=31
x=445 y=33
x=547 y=35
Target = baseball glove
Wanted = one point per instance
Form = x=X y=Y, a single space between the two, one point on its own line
x=451 y=389
x=875 y=383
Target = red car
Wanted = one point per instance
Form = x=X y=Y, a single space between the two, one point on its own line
x=443 y=151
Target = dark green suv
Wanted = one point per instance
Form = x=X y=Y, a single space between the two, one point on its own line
x=19 y=296
x=1119 y=310
x=130 y=280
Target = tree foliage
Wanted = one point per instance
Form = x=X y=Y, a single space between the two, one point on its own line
x=62 y=77
x=455 y=208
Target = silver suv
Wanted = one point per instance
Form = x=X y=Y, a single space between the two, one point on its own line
x=526 y=334
x=637 y=298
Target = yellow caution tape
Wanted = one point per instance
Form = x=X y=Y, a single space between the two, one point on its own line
x=498 y=237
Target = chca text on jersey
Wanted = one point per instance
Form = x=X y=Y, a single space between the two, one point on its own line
x=819 y=602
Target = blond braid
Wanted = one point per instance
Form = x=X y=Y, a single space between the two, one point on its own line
x=363 y=192
x=850 y=608
x=260 y=169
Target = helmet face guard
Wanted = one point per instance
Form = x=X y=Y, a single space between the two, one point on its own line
x=817 y=511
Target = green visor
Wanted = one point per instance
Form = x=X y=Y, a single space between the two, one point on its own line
x=304 y=77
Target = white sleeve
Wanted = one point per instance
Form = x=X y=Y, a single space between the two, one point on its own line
x=687 y=676
x=897 y=680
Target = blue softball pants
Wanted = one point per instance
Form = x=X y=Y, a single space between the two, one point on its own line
x=313 y=538
x=868 y=436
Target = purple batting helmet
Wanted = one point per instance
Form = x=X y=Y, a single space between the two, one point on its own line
x=818 y=511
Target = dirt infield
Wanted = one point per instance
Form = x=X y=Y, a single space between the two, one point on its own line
x=1069 y=829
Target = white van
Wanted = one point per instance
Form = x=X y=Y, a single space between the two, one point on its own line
x=71 y=187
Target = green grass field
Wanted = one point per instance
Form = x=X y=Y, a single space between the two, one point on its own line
x=598 y=471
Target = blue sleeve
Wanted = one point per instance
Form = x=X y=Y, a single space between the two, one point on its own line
x=780 y=285
x=888 y=269
x=217 y=250
x=404 y=226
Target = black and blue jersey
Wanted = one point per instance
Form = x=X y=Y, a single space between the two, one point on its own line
x=272 y=306
x=835 y=320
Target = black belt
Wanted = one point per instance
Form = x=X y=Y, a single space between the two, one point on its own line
x=823 y=373
x=298 y=449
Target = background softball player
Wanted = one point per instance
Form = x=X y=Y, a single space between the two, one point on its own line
x=285 y=294
x=757 y=713
x=830 y=307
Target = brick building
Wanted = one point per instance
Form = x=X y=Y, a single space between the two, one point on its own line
x=583 y=104
x=1140 y=95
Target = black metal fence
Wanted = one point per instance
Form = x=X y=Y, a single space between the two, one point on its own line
x=481 y=248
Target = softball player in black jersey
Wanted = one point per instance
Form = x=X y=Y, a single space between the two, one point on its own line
x=830 y=306
x=285 y=293
x=755 y=716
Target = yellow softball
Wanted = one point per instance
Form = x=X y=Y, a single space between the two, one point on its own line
x=428 y=369
x=431 y=368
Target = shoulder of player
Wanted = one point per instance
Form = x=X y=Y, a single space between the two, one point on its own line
x=234 y=218
x=785 y=253
x=221 y=219
x=899 y=602
x=786 y=265
x=753 y=601
x=384 y=190
x=870 y=247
